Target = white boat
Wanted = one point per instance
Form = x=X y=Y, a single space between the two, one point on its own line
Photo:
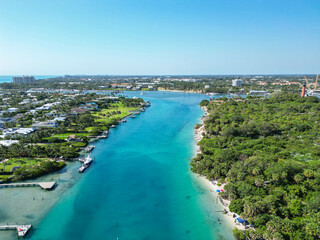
x=89 y=148
x=87 y=160
x=82 y=168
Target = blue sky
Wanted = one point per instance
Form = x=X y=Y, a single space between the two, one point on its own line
x=159 y=36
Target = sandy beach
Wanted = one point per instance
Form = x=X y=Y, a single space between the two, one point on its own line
x=211 y=185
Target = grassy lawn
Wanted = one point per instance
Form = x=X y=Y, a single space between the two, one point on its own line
x=115 y=107
x=6 y=167
x=100 y=116
x=30 y=168
x=89 y=129
x=73 y=144
x=66 y=135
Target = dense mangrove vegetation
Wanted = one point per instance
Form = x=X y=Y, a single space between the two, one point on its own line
x=267 y=152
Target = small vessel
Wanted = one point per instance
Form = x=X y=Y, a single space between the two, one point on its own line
x=89 y=148
x=87 y=160
x=86 y=163
x=105 y=133
x=133 y=116
x=102 y=137
x=148 y=104
x=82 y=168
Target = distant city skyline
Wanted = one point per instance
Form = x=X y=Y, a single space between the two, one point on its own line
x=159 y=37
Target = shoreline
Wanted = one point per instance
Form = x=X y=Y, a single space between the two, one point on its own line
x=182 y=91
x=40 y=202
x=211 y=185
x=34 y=203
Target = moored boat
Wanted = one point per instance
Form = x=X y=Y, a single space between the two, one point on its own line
x=82 y=168
x=89 y=148
x=87 y=160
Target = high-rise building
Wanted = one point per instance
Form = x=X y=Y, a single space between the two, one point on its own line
x=236 y=83
x=23 y=79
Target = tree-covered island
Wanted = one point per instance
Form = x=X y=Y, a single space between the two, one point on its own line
x=266 y=151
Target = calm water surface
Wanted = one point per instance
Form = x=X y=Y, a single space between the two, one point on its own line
x=140 y=186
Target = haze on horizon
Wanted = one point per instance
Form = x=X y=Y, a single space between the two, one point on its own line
x=159 y=37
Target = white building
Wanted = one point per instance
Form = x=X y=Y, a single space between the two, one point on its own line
x=12 y=109
x=7 y=143
x=236 y=83
x=206 y=86
x=25 y=101
x=17 y=131
x=258 y=92
x=47 y=124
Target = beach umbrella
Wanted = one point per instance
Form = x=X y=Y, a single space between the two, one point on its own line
x=221 y=190
x=217 y=190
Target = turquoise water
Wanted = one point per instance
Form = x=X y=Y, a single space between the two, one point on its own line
x=8 y=78
x=140 y=186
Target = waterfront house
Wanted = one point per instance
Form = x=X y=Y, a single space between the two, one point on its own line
x=7 y=143
x=90 y=106
x=73 y=138
x=32 y=111
x=18 y=116
x=47 y=124
x=17 y=132
x=12 y=109
x=59 y=119
x=7 y=120
x=25 y=101
x=51 y=114
x=76 y=111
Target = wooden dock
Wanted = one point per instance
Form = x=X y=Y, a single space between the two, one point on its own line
x=22 y=230
x=43 y=185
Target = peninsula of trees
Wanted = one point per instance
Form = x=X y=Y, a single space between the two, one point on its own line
x=267 y=152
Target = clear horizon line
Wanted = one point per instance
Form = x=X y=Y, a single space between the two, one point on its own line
x=233 y=74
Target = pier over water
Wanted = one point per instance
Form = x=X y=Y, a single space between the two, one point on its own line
x=22 y=230
x=43 y=185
